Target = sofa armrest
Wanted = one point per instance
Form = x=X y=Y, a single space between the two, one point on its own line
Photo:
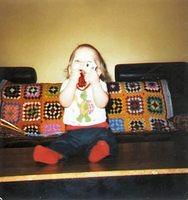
x=180 y=122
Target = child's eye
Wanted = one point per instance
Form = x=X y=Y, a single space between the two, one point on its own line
x=77 y=61
x=88 y=64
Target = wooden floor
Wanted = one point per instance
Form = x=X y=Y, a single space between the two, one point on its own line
x=134 y=159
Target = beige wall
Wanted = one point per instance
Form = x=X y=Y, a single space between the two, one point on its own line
x=42 y=33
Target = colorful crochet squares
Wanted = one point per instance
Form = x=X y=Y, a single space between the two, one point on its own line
x=136 y=107
x=35 y=108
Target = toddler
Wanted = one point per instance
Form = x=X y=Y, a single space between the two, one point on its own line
x=84 y=97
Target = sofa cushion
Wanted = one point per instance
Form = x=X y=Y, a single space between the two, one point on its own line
x=35 y=108
x=175 y=73
x=16 y=74
x=136 y=107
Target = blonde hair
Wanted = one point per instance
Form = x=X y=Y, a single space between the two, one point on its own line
x=105 y=75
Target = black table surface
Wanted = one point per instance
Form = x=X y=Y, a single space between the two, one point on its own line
x=133 y=159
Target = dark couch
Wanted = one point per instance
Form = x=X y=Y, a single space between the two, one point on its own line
x=175 y=73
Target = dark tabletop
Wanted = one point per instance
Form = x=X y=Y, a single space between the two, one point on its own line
x=133 y=159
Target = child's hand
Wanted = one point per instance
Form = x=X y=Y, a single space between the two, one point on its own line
x=92 y=76
x=74 y=75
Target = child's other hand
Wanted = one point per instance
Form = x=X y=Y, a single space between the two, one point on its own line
x=92 y=76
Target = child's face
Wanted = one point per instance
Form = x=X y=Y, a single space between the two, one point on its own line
x=84 y=59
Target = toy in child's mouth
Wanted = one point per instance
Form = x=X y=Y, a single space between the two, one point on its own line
x=82 y=84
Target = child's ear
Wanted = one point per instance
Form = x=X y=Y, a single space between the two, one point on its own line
x=99 y=72
x=69 y=70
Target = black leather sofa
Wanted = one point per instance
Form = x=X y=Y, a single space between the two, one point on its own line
x=175 y=73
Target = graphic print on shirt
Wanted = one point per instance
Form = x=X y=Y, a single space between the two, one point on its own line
x=85 y=107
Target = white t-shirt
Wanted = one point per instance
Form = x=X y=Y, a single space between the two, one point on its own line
x=83 y=111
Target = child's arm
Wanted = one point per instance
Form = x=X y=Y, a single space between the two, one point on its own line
x=99 y=95
x=67 y=94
